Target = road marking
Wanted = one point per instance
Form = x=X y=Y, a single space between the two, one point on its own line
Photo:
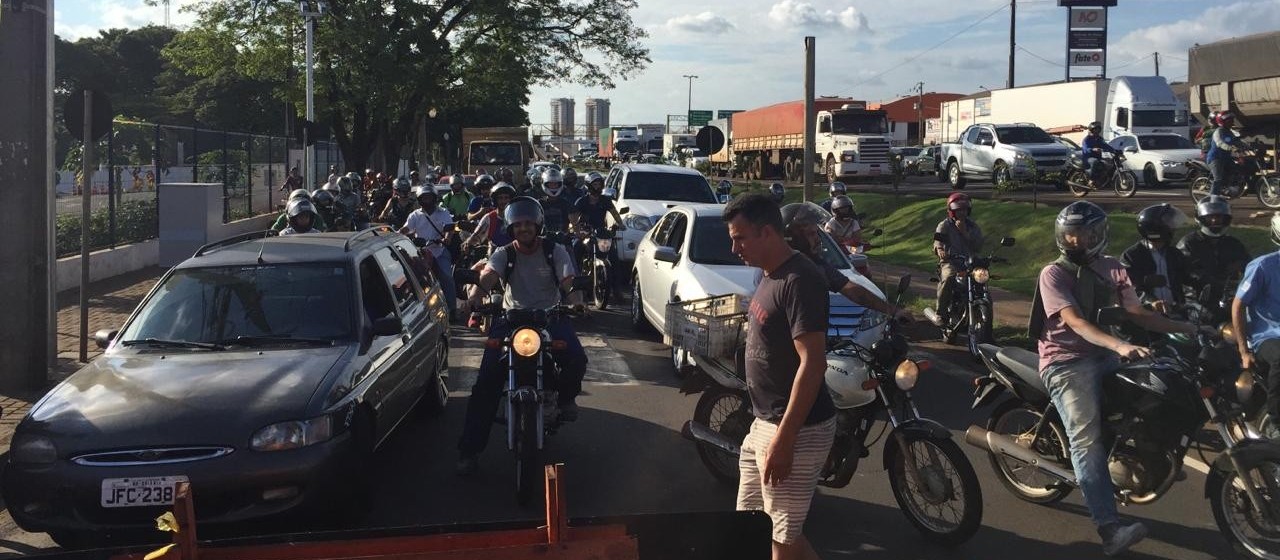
x=1196 y=464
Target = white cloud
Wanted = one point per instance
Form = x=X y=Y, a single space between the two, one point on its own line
x=795 y=13
x=1216 y=23
x=705 y=22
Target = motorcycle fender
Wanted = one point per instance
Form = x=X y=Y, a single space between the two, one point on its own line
x=1247 y=453
x=696 y=382
x=918 y=427
x=988 y=390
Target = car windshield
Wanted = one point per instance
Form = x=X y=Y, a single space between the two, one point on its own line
x=1067 y=142
x=678 y=187
x=859 y=123
x=911 y=152
x=711 y=245
x=1164 y=142
x=1023 y=135
x=507 y=153
x=219 y=304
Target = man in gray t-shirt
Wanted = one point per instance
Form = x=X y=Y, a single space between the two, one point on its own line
x=536 y=278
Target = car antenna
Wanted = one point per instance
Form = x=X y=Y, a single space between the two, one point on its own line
x=262 y=248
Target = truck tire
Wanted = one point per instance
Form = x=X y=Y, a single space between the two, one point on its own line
x=832 y=174
x=955 y=176
x=1000 y=175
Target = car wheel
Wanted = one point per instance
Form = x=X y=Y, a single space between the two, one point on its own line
x=1149 y=176
x=955 y=176
x=1001 y=178
x=436 y=394
x=638 y=321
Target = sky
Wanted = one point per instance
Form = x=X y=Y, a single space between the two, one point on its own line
x=750 y=53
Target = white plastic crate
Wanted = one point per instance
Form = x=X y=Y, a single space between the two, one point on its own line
x=714 y=327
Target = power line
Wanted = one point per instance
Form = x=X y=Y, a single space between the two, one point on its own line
x=1043 y=59
x=930 y=49
x=1131 y=62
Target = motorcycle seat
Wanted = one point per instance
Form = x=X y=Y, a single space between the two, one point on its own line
x=1025 y=364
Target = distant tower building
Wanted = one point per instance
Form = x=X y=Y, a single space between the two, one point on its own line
x=597 y=116
x=562 y=116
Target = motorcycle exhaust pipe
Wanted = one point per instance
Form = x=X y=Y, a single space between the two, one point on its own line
x=980 y=437
x=699 y=432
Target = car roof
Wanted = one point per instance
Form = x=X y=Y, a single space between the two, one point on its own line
x=700 y=210
x=657 y=168
x=290 y=249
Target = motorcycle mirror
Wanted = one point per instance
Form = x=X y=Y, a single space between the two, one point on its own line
x=1153 y=281
x=1111 y=316
x=1007 y=241
x=903 y=284
x=876 y=232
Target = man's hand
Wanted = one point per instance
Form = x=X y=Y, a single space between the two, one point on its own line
x=1246 y=359
x=778 y=461
x=1130 y=352
x=1160 y=306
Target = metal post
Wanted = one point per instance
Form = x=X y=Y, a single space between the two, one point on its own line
x=155 y=172
x=920 y=113
x=271 y=167
x=688 y=114
x=226 y=182
x=810 y=127
x=111 y=188
x=86 y=201
x=1013 y=26
x=195 y=156
x=309 y=153
x=1157 y=56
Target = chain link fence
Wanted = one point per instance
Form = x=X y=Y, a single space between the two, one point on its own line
x=136 y=157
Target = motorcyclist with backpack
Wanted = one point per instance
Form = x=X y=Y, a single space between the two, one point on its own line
x=399 y=206
x=963 y=239
x=1076 y=354
x=482 y=202
x=836 y=189
x=435 y=225
x=491 y=230
x=537 y=275
x=1213 y=257
x=844 y=226
x=1255 y=315
x=1154 y=254
x=282 y=221
x=571 y=183
x=458 y=200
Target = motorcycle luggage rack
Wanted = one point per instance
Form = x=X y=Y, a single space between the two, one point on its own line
x=235 y=239
x=372 y=230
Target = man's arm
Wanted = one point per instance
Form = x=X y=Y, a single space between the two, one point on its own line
x=1095 y=336
x=811 y=347
x=865 y=298
x=1238 y=323
x=1152 y=321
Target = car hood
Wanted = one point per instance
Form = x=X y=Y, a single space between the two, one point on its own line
x=653 y=208
x=1175 y=155
x=707 y=280
x=131 y=398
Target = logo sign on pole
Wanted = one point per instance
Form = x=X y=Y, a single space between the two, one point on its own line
x=724 y=113
x=1078 y=40
x=1088 y=18
x=699 y=118
x=73 y=115
x=1087 y=58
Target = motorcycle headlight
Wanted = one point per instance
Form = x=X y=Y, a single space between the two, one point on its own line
x=292 y=434
x=906 y=375
x=33 y=450
x=526 y=342
x=637 y=222
x=1244 y=387
x=981 y=275
x=604 y=245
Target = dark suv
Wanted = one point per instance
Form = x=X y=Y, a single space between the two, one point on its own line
x=263 y=370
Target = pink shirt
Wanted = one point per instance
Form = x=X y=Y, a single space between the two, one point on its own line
x=1058 y=342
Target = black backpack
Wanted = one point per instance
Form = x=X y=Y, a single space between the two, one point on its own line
x=548 y=251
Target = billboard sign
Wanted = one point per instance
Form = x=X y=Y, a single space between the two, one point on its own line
x=1078 y=40
x=699 y=118
x=1088 y=18
x=1087 y=58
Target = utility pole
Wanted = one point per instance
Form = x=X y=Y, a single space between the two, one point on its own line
x=26 y=39
x=1157 y=55
x=810 y=124
x=311 y=9
x=920 y=113
x=688 y=124
x=1013 y=44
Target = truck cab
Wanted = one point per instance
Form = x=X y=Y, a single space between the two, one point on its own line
x=853 y=142
x=1003 y=152
x=1140 y=105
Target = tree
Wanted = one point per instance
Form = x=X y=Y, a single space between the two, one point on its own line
x=381 y=64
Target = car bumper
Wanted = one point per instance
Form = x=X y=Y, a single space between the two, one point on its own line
x=67 y=497
x=864 y=169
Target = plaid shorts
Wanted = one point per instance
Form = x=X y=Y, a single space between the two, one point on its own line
x=788 y=503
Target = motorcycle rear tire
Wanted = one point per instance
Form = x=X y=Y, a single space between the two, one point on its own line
x=1268 y=189
x=1044 y=496
x=970 y=492
x=735 y=425
x=528 y=456
x=1078 y=182
x=1219 y=483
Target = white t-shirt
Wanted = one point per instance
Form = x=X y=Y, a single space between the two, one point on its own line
x=430 y=227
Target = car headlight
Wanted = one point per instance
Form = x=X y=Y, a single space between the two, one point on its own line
x=637 y=222
x=1167 y=163
x=33 y=450
x=293 y=434
x=1022 y=157
x=906 y=375
x=526 y=342
x=981 y=275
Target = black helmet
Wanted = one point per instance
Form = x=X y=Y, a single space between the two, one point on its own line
x=484 y=180
x=403 y=186
x=323 y=198
x=1158 y=221
x=1080 y=232
x=522 y=209
x=804 y=213
x=570 y=176
x=501 y=189
x=837 y=188
x=725 y=186
x=1214 y=215
x=344 y=184
x=1095 y=126
x=777 y=191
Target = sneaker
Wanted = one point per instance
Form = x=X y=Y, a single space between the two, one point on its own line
x=569 y=411
x=1118 y=538
x=467 y=465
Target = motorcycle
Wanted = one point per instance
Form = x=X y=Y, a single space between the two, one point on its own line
x=1152 y=409
x=1124 y=182
x=971 y=306
x=1248 y=174
x=596 y=266
x=932 y=480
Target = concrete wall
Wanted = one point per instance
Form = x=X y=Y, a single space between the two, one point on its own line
x=124 y=259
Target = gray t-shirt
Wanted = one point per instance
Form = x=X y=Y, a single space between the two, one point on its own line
x=532 y=285
x=967 y=244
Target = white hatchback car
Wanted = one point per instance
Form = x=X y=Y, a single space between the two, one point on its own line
x=1157 y=157
x=688 y=256
x=646 y=192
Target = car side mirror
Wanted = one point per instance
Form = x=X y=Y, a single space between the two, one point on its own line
x=1111 y=316
x=1006 y=242
x=1153 y=281
x=388 y=326
x=1131 y=150
x=104 y=337
x=666 y=254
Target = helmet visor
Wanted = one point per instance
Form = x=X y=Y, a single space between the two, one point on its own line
x=1087 y=239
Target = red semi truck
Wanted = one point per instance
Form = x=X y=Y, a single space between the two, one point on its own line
x=852 y=142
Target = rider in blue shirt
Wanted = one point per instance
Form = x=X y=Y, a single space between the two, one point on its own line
x=1222 y=146
x=1255 y=314
x=1092 y=149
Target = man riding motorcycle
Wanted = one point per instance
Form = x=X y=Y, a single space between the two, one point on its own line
x=399 y=206
x=458 y=200
x=537 y=276
x=1223 y=149
x=492 y=230
x=556 y=205
x=589 y=216
x=1213 y=257
x=283 y=220
x=302 y=214
x=349 y=203
x=963 y=239
x=1076 y=354
x=803 y=221
x=844 y=226
x=1255 y=314
x=571 y=184
x=482 y=202
x=434 y=224
x=1091 y=152
x=1154 y=254
x=836 y=189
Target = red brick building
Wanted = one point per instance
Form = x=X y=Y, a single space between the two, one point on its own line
x=905 y=118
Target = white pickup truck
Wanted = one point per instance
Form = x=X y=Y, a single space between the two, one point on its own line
x=1002 y=153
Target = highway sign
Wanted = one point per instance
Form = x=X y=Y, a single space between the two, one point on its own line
x=699 y=118
x=722 y=113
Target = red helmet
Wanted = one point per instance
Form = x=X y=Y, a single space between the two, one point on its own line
x=1225 y=118
x=957 y=201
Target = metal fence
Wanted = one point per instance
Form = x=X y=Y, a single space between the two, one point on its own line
x=136 y=157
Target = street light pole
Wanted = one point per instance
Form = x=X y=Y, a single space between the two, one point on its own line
x=689 y=110
x=311 y=9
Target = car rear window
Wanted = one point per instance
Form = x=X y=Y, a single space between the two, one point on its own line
x=1164 y=142
x=212 y=304
x=1023 y=135
x=678 y=187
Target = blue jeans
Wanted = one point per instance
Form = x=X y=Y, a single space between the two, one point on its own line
x=444 y=274
x=1076 y=390
x=1218 y=168
x=482 y=407
x=1097 y=168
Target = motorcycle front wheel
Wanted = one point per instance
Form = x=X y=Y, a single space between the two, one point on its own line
x=728 y=412
x=1250 y=534
x=600 y=289
x=1019 y=421
x=528 y=456
x=942 y=499
x=1268 y=189
x=1078 y=182
x=1200 y=188
x=1126 y=184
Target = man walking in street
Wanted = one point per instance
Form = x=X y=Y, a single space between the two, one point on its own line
x=784 y=452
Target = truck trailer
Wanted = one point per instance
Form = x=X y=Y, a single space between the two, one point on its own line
x=493 y=148
x=1241 y=75
x=852 y=142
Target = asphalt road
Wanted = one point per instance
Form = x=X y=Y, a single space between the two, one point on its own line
x=625 y=455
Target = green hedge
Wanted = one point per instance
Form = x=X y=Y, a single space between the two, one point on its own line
x=135 y=221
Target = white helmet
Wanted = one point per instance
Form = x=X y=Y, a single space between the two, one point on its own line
x=846 y=373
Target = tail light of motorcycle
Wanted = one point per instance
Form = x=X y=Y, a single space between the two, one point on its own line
x=924 y=365
x=559 y=345
x=1206 y=392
